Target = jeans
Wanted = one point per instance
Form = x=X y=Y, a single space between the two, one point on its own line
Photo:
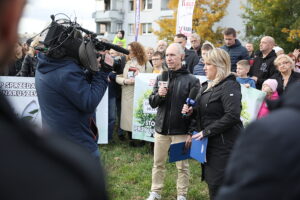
x=111 y=116
x=118 y=105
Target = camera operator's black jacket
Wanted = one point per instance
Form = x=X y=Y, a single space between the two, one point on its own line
x=169 y=120
x=265 y=161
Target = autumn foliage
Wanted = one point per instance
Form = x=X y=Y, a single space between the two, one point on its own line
x=277 y=18
x=206 y=14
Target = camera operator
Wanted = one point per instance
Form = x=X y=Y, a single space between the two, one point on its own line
x=36 y=165
x=68 y=97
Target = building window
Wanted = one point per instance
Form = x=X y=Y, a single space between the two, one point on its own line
x=119 y=26
x=164 y=5
x=107 y=4
x=100 y=5
x=131 y=5
x=146 y=4
x=131 y=29
x=146 y=28
x=104 y=28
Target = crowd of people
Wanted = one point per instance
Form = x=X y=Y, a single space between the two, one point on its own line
x=241 y=164
x=24 y=61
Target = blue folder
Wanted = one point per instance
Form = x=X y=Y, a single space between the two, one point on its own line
x=178 y=153
x=197 y=151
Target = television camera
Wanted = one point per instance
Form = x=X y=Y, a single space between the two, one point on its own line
x=64 y=40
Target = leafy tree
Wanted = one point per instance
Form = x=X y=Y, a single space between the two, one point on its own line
x=277 y=18
x=206 y=14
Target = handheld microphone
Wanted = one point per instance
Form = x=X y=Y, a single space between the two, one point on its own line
x=41 y=49
x=165 y=76
x=164 y=80
x=191 y=100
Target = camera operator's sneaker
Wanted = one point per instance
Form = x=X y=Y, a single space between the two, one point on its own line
x=153 y=196
x=180 y=197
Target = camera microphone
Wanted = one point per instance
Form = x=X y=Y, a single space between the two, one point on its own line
x=116 y=47
x=107 y=45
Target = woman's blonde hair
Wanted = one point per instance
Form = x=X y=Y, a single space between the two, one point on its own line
x=285 y=57
x=221 y=60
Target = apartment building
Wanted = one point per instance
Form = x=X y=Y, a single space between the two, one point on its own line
x=113 y=15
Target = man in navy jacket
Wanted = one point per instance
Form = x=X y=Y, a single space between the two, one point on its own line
x=234 y=48
x=68 y=99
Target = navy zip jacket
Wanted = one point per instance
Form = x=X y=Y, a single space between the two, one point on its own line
x=237 y=52
x=68 y=100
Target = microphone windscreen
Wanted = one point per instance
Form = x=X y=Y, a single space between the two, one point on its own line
x=165 y=76
x=193 y=93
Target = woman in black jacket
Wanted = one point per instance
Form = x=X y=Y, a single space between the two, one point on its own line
x=30 y=61
x=217 y=116
x=16 y=64
x=285 y=75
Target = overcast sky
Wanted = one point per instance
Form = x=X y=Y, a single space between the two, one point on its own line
x=37 y=13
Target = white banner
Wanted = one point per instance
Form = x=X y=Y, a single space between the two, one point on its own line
x=21 y=93
x=185 y=11
x=252 y=100
x=144 y=116
x=143 y=122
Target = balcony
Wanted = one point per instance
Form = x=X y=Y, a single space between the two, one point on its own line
x=108 y=15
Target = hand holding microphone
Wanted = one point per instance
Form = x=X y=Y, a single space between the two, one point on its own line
x=162 y=91
x=190 y=102
x=186 y=110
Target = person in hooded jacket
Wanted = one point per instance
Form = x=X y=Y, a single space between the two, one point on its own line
x=120 y=38
x=68 y=99
x=217 y=116
x=265 y=161
x=234 y=48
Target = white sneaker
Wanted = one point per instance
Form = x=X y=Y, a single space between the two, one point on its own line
x=154 y=196
x=180 y=197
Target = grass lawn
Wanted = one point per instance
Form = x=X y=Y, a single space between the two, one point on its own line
x=129 y=169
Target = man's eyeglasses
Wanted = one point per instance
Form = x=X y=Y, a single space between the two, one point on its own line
x=156 y=59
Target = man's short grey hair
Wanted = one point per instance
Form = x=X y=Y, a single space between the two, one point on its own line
x=196 y=36
x=179 y=47
x=162 y=41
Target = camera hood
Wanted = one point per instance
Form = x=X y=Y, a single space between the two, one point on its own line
x=87 y=56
